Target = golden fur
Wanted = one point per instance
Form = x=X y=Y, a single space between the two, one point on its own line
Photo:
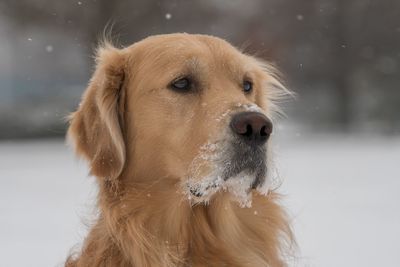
x=140 y=139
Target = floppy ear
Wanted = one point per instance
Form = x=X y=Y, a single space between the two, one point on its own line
x=96 y=127
x=275 y=92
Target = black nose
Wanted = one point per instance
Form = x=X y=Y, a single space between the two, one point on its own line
x=252 y=127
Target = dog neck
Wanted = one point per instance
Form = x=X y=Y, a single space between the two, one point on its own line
x=154 y=226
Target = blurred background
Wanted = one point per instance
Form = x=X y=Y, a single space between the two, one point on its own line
x=338 y=149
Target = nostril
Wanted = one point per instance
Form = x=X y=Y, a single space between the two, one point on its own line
x=249 y=130
x=263 y=132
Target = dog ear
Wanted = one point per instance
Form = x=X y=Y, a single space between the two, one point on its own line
x=96 y=127
x=275 y=91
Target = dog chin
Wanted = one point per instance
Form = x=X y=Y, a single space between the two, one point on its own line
x=204 y=190
x=229 y=167
x=240 y=187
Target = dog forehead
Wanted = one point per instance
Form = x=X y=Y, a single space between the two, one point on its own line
x=191 y=50
x=185 y=41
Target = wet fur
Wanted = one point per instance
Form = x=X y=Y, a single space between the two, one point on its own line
x=144 y=219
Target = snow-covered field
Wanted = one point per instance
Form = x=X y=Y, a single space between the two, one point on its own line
x=343 y=194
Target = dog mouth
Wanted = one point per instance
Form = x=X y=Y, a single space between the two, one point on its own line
x=246 y=159
x=231 y=166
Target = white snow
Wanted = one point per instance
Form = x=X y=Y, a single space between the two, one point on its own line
x=239 y=187
x=45 y=201
x=343 y=195
x=205 y=177
x=250 y=107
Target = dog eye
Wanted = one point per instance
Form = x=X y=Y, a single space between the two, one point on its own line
x=183 y=84
x=247 y=86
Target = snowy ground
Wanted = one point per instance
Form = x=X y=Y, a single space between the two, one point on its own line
x=343 y=194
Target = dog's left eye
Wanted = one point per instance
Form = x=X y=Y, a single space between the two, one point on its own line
x=183 y=84
x=247 y=86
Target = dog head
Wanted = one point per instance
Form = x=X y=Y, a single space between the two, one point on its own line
x=189 y=109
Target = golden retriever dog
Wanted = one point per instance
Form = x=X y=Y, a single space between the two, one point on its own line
x=175 y=128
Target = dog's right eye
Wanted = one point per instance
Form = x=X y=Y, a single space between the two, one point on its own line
x=182 y=84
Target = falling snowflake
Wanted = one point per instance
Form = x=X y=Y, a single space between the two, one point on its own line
x=168 y=16
x=49 y=48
